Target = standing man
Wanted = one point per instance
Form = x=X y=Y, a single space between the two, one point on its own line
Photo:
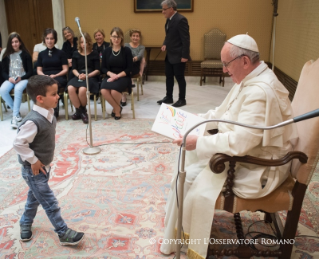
x=176 y=45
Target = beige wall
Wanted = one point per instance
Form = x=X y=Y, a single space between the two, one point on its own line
x=297 y=35
x=230 y=16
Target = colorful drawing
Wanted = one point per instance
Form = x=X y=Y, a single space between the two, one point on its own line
x=173 y=111
x=173 y=122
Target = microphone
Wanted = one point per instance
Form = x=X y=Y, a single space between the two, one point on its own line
x=77 y=20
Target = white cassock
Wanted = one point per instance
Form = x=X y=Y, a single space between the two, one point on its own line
x=260 y=99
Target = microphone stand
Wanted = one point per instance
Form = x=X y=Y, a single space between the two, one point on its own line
x=182 y=173
x=91 y=150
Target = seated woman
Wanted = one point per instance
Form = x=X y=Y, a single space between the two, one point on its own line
x=100 y=45
x=36 y=50
x=117 y=62
x=138 y=56
x=70 y=45
x=16 y=69
x=53 y=62
x=77 y=85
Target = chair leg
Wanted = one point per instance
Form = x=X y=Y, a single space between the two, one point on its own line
x=95 y=108
x=292 y=220
x=103 y=106
x=102 y=102
x=268 y=218
x=66 y=106
x=201 y=77
x=142 y=86
x=132 y=104
x=138 y=90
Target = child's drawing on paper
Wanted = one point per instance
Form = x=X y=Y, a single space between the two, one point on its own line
x=173 y=122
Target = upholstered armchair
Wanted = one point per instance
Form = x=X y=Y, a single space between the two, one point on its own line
x=287 y=197
x=212 y=65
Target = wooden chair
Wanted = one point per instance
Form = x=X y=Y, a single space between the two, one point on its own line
x=139 y=82
x=289 y=196
x=132 y=104
x=212 y=65
x=66 y=98
x=24 y=95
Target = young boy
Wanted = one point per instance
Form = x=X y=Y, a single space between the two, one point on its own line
x=35 y=143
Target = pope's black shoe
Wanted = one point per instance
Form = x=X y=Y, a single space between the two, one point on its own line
x=179 y=103
x=166 y=100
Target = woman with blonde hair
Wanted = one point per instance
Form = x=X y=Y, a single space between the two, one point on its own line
x=77 y=85
x=70 y=45
x=117 y=62
x=100 y=44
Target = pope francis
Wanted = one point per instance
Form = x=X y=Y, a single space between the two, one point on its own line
x=257 y=98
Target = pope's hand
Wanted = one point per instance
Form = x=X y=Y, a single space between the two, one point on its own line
x=191 y=141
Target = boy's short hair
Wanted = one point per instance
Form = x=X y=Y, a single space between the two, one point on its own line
x=37 y=85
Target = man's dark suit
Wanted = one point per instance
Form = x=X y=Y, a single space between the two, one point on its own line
x=177 y=43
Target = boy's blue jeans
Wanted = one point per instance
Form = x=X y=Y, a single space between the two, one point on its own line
x=41 y=193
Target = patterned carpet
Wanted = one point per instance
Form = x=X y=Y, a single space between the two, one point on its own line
x=116 y=197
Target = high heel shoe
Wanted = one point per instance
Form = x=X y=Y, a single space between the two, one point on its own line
x=113 y=114
x=118 y=117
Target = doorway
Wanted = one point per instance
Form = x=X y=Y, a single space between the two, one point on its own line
x=29 y=18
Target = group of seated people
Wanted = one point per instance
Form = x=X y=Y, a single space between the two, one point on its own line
x=110 y=68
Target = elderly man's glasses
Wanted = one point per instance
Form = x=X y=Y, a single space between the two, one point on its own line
x=164 y=9
x=226 y=64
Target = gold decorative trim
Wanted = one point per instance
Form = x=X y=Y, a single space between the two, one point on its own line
x=235 y=204
x=191 y=254
x=184 y=236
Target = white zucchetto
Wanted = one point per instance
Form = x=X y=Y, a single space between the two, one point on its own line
x=244 y=41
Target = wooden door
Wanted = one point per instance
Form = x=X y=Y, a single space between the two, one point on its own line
x=29 y=18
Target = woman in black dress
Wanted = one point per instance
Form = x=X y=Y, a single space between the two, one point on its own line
x=77 y=85
x=100 y=45
x=53 y=62
x=117 y=62
x=70 y=45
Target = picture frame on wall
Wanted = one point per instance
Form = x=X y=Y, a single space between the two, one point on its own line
x=155 y=6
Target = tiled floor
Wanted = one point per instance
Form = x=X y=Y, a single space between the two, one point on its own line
x=199 y=99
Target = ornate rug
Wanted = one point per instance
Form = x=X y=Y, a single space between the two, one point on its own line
x=116 y=197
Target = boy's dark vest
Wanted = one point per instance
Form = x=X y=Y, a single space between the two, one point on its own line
x=44 y=142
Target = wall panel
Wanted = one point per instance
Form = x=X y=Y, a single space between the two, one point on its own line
x=230 y=16
x=297 y=35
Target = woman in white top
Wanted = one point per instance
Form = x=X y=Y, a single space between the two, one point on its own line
x=16 y=69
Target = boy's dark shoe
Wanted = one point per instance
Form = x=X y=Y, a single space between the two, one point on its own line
x=25 y=233
x=71 y=238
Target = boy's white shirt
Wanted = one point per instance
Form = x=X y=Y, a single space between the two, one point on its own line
x=27 y=133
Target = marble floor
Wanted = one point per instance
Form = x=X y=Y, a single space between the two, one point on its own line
x=199 y=99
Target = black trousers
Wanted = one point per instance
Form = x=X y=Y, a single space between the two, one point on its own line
x=177 y=70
